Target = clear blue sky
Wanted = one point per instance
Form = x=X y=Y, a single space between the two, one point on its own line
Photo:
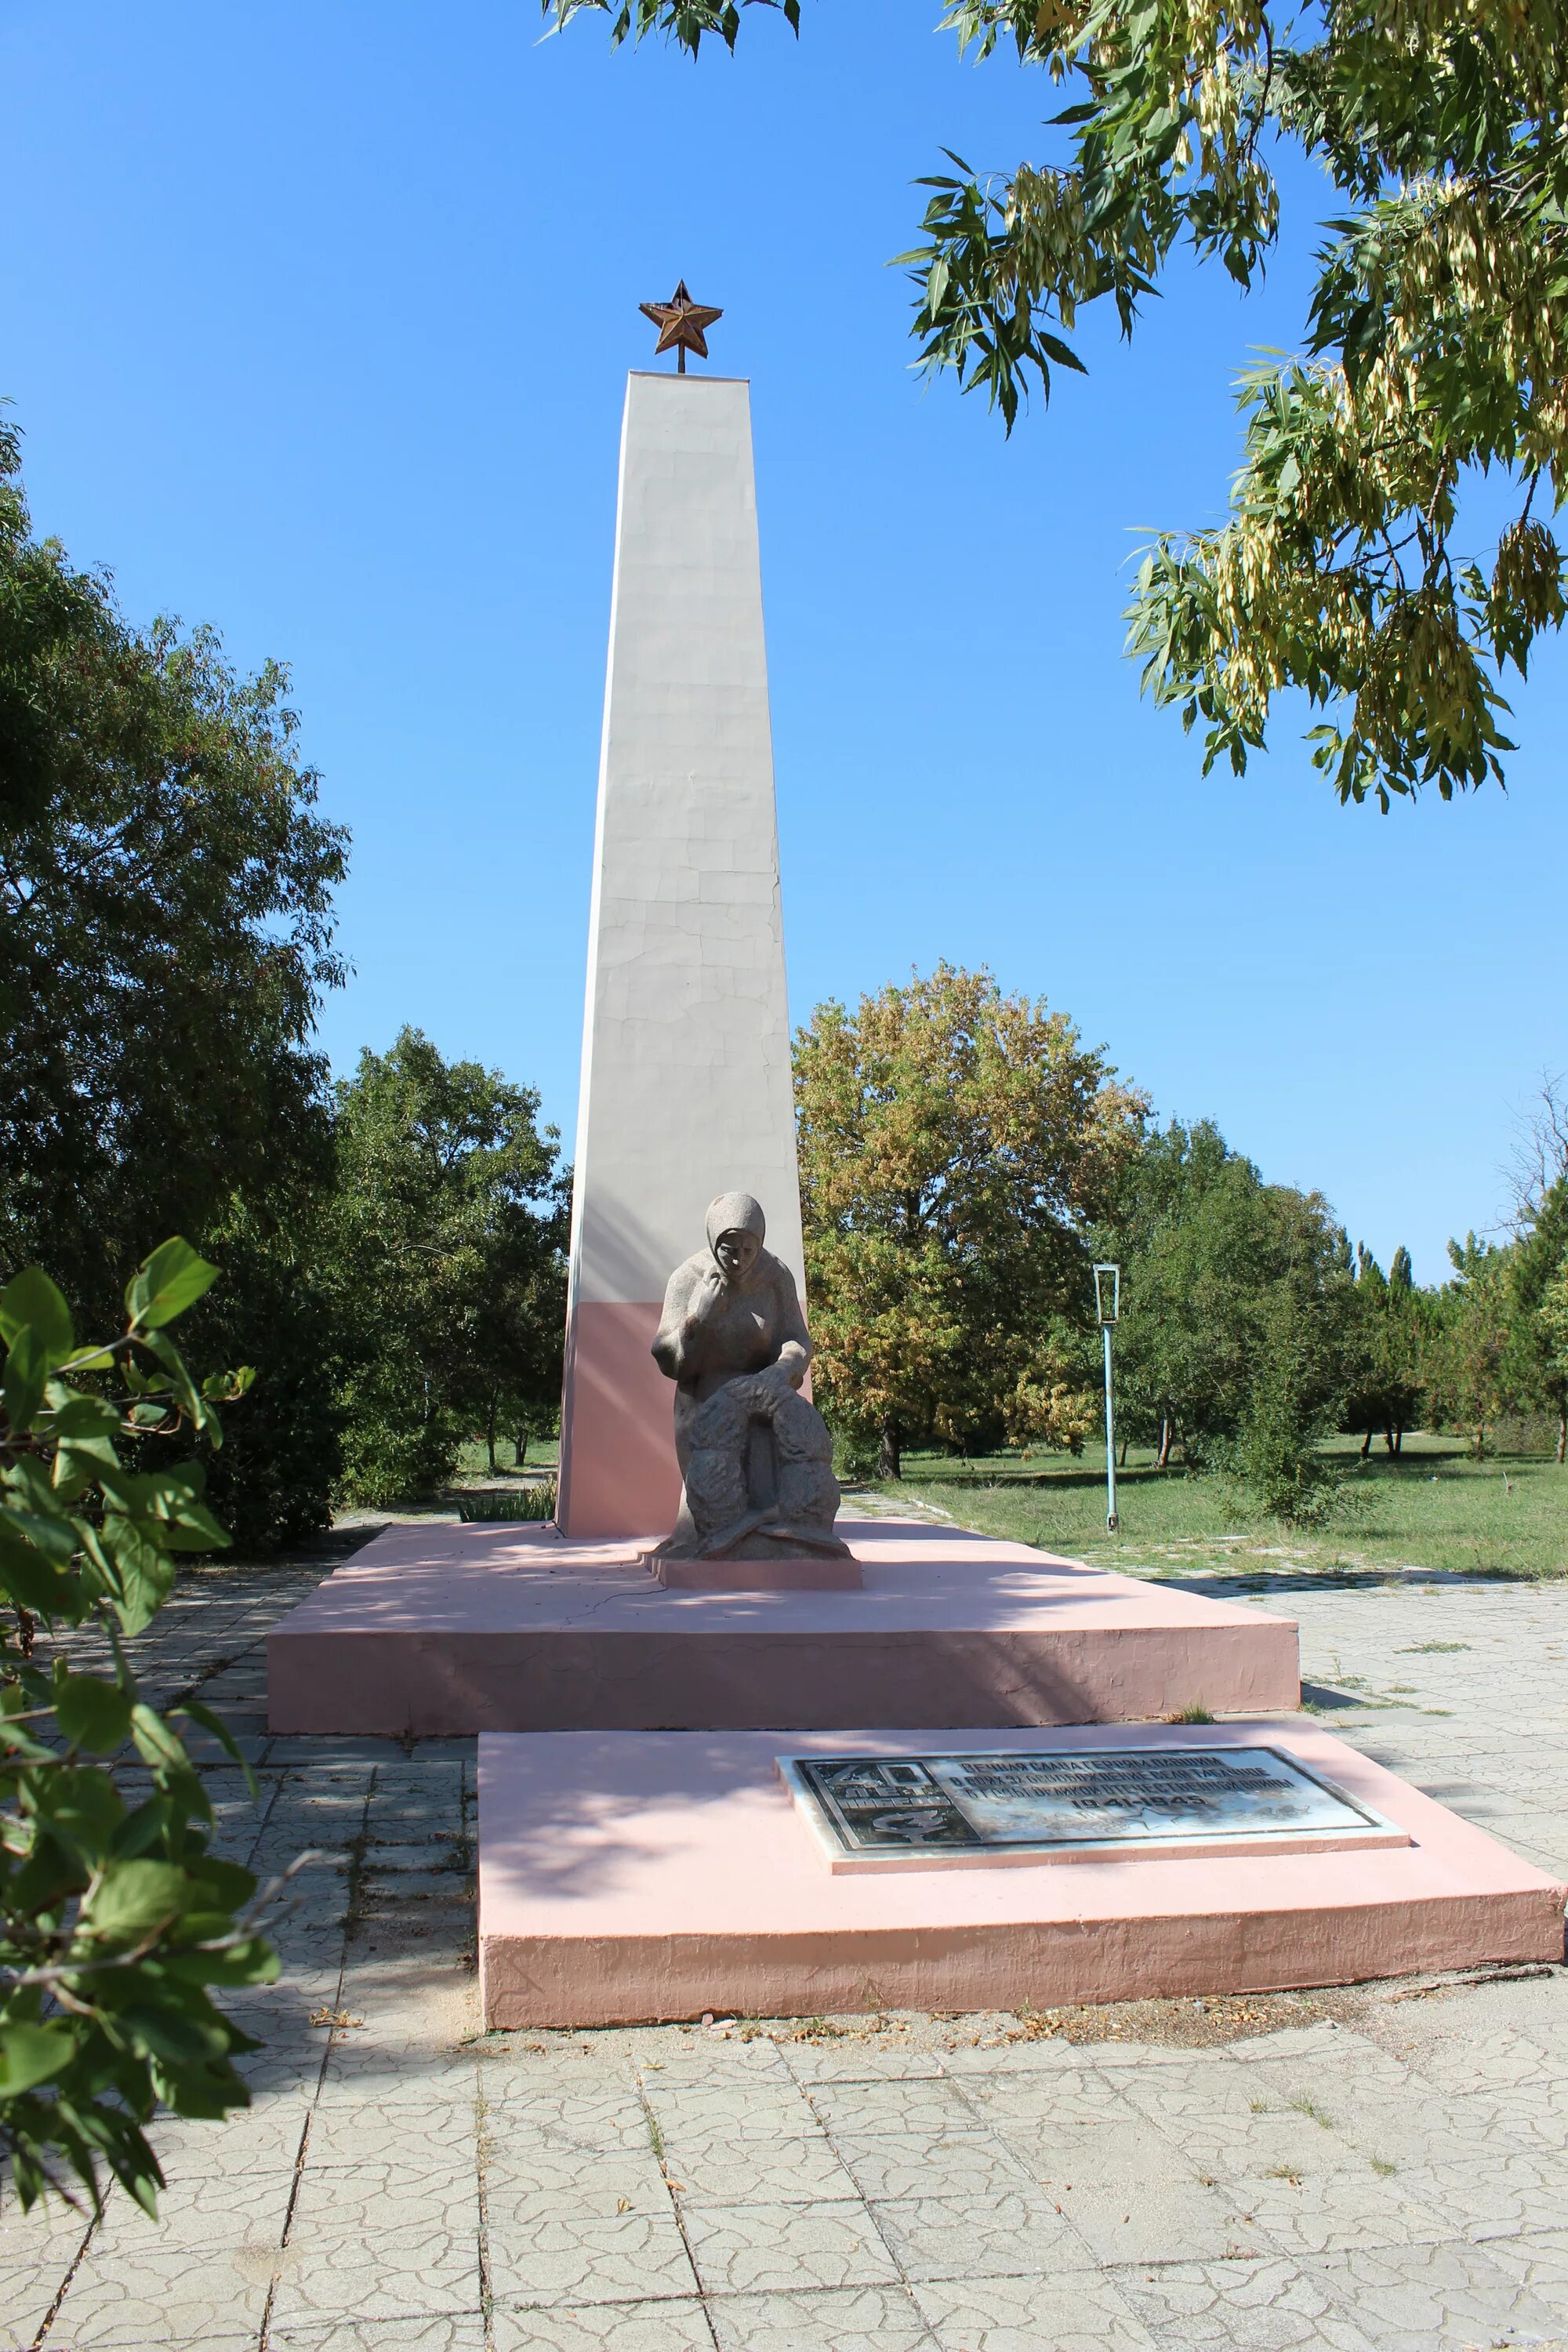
x=317 y=320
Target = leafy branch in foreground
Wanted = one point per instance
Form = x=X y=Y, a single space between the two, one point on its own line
x=1437 y=337
x=1336 y=574
x=115 y=1918
x=682 y=21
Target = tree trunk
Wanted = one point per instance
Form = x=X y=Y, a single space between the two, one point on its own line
x=1167 y=1438
x=1366 y=1442
x=1122 y=1457
x=490 y=1433
x=1562 y=1434
x=1399 y=1441
x=889 y=1465
x=520 y=1442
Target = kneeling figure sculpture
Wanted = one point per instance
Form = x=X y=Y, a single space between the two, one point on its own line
x=756 y=1460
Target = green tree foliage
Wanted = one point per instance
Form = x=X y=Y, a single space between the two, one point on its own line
x=116 y=1917
x=1433 y=339
x=685 y=21
x=1474 y=1372
x=1235 y=1314
x=1491 y=1342
x=165 y=883
x=1297 y=1389
x=955 y=1146
x=444 y=1264
x=1539 y=1272
x=273 y=1481
x=1390 y=1337
x=1553 y=1339
x=1194 y=1237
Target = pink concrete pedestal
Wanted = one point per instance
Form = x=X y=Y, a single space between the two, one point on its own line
x=627 y=1879
x=807 y=1574
x=443 y=1629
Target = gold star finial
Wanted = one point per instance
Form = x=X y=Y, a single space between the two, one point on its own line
x=680 y=323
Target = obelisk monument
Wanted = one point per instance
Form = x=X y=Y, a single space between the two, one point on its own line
x=686 y=1089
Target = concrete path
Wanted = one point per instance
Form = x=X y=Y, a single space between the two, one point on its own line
x=1385 y=2167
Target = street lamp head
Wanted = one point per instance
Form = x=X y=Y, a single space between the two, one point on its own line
x=1107 y=1294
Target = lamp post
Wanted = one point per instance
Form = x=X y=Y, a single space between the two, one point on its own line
x=1108 y=1305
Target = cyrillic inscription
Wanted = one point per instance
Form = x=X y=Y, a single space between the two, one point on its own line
x=1069 y=1799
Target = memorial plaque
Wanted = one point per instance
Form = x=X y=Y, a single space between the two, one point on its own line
x=1003 y=1804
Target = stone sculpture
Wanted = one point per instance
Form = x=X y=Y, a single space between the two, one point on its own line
x=756 y=1460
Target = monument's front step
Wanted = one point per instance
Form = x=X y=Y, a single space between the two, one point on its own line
x=450 y=1630
x=805 y=1573
x=625 y=1880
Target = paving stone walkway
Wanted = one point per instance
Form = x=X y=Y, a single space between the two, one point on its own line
x=1382 y=2167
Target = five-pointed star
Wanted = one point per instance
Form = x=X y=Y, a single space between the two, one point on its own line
x=680 y=321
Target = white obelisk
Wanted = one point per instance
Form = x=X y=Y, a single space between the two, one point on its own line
x=686 y=1086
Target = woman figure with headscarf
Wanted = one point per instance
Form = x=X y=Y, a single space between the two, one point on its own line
x=729 y=1310
x=756 y=1460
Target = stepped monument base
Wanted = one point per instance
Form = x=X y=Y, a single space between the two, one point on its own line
x=448 y=1630
x=629 y=1879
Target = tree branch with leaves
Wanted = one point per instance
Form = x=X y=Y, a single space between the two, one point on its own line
x=1436 y=344
x=116 y=1916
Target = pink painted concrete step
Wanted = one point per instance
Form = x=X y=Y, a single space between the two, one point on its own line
x=624 y=1879
x=443 y=1629
x=809 y=1573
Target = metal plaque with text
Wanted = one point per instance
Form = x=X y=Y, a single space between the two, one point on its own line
x=1073 y=1801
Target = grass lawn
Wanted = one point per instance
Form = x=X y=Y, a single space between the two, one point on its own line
x=473 y=1463
x=1431 y=1512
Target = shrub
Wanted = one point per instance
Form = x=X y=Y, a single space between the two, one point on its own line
x=856 y=1456
x=527 y=1503
x=1277 y=1464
